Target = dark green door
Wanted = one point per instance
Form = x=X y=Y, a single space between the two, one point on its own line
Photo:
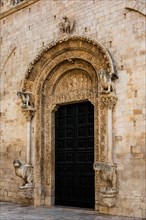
x=74 y=155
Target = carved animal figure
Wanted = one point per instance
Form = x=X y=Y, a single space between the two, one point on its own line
x=106 y=81
x=25 y=172
x=109 y=176
x=67 y=25
x=26 y=98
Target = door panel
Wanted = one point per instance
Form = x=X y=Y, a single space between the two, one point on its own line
x=74 y=155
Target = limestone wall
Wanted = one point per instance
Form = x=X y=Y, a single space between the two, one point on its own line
x=26 y=30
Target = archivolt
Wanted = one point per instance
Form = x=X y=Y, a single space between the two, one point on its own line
x=79 y=47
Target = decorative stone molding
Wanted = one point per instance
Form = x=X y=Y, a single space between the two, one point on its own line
x=108 y=100
x=107 y=175
x=42 y=53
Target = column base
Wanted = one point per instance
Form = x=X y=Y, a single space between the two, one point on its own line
x=108 y=198
x=27 y=193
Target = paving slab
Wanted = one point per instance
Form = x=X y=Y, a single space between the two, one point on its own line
x=12 y=211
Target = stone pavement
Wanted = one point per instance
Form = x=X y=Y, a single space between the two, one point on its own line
x=11 y=211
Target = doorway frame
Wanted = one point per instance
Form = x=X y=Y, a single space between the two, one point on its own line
x=42 y=79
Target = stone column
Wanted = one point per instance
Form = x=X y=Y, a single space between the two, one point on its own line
x=109 y=101
x=109 y=136
x=29 y=113
x=106 y=170
x=25 y=170
x=27 y=190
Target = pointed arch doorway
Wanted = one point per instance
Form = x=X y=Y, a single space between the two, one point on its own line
x=74 y=155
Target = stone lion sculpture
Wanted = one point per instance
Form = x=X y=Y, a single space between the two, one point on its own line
x=106 y=80
x=24 y=171
x=108 y=174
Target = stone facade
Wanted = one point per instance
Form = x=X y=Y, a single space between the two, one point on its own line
x=51 y=54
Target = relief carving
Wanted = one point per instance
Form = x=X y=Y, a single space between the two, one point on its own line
x=24 y=171
x=76 y=80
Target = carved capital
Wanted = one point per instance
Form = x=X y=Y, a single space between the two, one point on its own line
x=108 y=100
x=28 y=113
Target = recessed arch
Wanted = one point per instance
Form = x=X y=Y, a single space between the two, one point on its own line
x=64 y=72
x=58 y=51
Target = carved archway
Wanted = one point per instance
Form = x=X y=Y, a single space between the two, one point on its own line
x=66 y=71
